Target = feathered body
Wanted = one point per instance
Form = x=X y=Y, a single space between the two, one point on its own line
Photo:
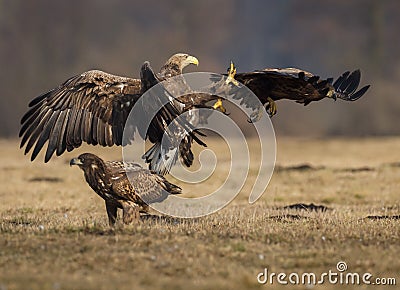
x=300 y=86
x=162 y=158
x=124 y=185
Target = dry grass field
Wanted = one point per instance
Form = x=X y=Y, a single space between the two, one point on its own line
x=54 y=232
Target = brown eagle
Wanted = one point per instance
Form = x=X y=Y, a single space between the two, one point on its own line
x=124 y=185
x=272 y=84
x=162 y=158
x=93 y=107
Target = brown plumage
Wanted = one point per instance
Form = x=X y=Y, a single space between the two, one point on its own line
x=185 y=95
x=274 y=84
x=162 y=159
x=124 y=185
x=93 y=107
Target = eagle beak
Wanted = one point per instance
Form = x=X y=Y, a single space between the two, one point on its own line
x=192 y=60
x=75 y=161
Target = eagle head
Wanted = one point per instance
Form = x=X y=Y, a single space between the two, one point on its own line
x=87 y=161
x=181 y=60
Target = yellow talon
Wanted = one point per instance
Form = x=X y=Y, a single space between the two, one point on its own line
x=269 y=106
x=272 y=107
x=231 y=75
x=219 y=106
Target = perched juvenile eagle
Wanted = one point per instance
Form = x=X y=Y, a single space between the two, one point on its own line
x=272 y=84
x=110 y=181
x=93 y=107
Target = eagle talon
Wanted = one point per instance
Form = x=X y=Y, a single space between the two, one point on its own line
x=219 y=106
x=271 y=107
x=231 y=75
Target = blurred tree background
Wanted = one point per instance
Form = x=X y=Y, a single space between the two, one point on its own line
x=44 y=42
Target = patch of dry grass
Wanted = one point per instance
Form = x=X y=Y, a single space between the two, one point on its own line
x=54 y=232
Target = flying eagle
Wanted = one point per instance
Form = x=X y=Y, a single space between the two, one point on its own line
x=93 y=107
x=162 y=158
x=272 y=84
x=124 y=185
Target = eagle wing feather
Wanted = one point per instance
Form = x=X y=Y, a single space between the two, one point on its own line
x=91 y=107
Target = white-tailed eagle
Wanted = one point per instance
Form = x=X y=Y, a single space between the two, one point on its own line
x=124 y=185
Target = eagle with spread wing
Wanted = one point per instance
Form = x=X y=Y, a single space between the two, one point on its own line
x=272 y=84
x=93 y=107
x=124 y=185
x=185 y=100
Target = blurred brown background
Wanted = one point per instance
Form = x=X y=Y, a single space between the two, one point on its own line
x=43 y=42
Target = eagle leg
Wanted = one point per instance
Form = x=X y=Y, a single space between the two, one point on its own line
x=271 y=107
x=111 y=212
x=130 y=212
x=218 y=105
x=230 y=79
x=231 y=75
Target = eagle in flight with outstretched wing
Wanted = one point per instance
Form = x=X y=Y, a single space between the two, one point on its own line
x=93 y=107
x=272 y=84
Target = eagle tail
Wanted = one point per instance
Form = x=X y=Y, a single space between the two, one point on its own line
x=161 y=159
x=347 y=84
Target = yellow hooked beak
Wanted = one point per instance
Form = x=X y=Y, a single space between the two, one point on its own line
x=192 y=60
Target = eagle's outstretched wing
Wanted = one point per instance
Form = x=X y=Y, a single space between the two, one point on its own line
x=299 y=85
x=91 y=107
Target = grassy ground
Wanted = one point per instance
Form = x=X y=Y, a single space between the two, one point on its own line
x=54 y=232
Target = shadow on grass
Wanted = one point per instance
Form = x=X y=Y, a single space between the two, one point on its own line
x=383 y=217
x=309 y=168
x=288 y=217
x=300 y=167
x=167 y=219
x=46 y=179
x=357 y=169
x=306 y=207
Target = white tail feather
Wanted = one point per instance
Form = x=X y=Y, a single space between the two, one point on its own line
x=161 y=159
